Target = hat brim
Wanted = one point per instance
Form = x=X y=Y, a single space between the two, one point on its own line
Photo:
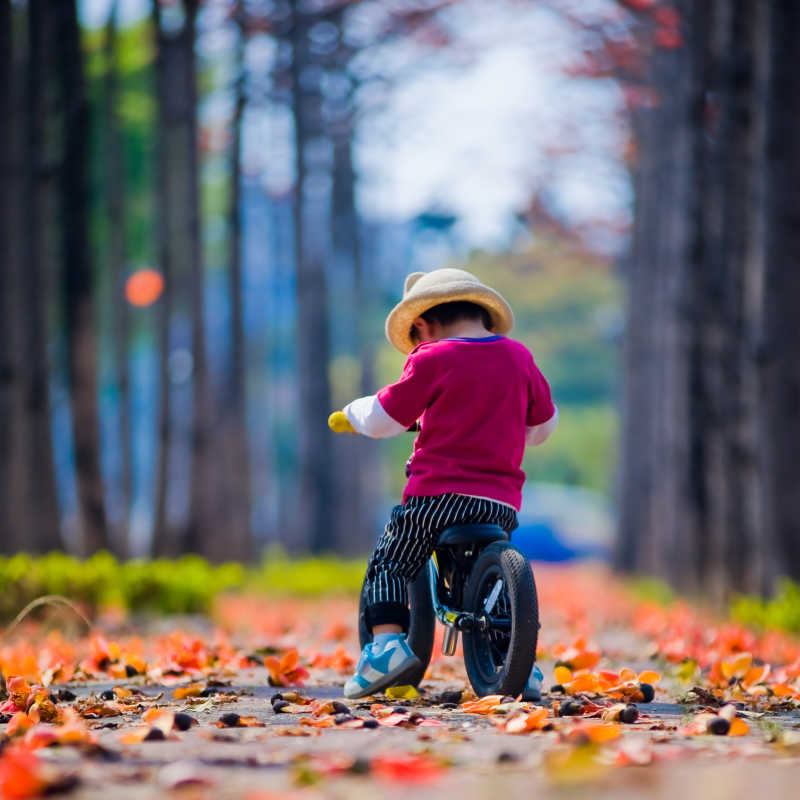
x=398 y=323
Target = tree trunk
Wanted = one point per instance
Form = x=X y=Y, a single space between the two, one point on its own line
x=116 y=251
x=741 y=146
x=41 y=510
x=9 y=361
x=77 y=286
x=161 y=540
x=781 y=368
x=203 y=529
x=183 y=468
x=315 y=462
x=233 y=427
x=356 y=484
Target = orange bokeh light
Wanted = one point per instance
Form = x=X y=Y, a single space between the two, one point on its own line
x=144 y=287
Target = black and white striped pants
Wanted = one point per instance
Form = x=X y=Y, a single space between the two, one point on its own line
x=408 y=541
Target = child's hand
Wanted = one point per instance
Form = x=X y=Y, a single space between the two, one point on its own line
x=339 y=423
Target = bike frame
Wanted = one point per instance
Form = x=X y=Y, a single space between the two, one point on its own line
x=453 y=620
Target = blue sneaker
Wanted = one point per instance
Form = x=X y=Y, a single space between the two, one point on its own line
x=533 y=688
x=382 y=664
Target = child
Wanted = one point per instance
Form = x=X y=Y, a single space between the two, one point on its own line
x=479 y=399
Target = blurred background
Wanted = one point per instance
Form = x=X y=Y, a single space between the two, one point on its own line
x=208 y=208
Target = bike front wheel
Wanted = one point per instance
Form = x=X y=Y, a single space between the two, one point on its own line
x=501 y=590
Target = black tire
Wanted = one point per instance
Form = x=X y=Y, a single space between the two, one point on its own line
x=421 y=626
x=500 y=661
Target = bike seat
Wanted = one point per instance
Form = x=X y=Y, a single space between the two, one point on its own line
x=471 y=534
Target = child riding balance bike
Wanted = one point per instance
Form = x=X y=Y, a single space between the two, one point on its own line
x=477 y=399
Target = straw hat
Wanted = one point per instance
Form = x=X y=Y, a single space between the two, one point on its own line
x=424 y=290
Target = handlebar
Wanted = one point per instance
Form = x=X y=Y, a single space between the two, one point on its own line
x=339 y=423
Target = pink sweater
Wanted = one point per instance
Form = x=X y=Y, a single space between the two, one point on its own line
x=476 y=400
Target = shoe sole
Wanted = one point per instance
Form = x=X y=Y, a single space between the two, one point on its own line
x=390 y=679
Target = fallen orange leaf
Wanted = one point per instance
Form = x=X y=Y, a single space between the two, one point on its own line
x=409 y=768
x=20 y=774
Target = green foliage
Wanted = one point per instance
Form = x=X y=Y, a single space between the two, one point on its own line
x=781 y=612
x=652 y=590
x=182 y=586
x=313 y=577
x=581 y=451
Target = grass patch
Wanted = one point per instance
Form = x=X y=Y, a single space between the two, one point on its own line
x=781 y=611
x=186 y=585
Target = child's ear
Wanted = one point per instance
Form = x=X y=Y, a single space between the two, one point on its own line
x=421 y=327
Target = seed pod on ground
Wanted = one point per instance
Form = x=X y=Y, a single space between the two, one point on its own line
x=274 y=699
x=66 y=696
x=340 y=719
x=629 y=714
x=570 y=708
x=449 y=697
x=360 y=766
x=230 y=720
x=719 y=726
x=648 y=692
x=155 y=735
x=370 y=723
x=279 y=705
x=183 y=721
x=340 y=708
x=131 y=671
x=557 y=688
x=108 y=694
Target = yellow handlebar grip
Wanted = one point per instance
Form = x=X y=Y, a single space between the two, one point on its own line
x=339 y=423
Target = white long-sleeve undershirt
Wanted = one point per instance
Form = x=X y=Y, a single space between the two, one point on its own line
x=539 y=434
x=368 y=417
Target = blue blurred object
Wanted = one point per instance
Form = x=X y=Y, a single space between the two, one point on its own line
x=562 y=523
x=541 y=543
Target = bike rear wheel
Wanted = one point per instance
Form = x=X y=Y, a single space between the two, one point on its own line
x=422 y=623
x=501 y=588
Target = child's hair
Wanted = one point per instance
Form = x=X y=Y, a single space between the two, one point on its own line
x=448 y=313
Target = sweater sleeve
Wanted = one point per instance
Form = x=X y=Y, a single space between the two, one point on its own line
x=405 y=400
x=540 y=401
x=539 y=434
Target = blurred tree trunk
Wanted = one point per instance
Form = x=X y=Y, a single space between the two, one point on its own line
x=313 y=349
x=161 y=539
x=356 y=473
x=356 y=455
x=11 y=525
x=690 y=483
x=40 y=511
x=635 y=477
x=237 y=543
x=116 y=253
x=739 y=249
x=180 y=249
x=698 y=25
x=203 y=529
x=780 y=399
x=77 y=285
x=8 y=361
